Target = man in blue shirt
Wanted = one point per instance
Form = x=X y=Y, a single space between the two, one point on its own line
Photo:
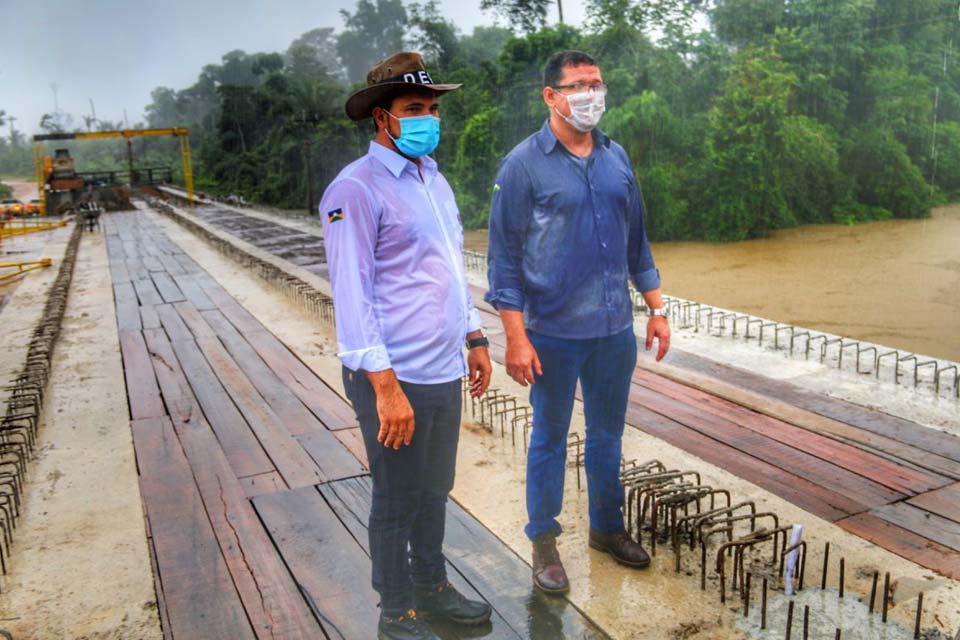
x=566 y=235
x=394 y=247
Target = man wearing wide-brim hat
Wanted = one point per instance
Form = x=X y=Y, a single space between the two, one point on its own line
x=405 y=320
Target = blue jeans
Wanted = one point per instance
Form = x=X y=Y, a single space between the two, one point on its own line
x=604 y=367
x=410 y=487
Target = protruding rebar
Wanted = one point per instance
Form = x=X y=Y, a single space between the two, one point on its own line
x=873 y=589
x=886 y=594
x=806 y=621
x=826 y=559
x=763 y=606
x=746 y=596
x=916 y=625
x=842 y=562
x=789 y=619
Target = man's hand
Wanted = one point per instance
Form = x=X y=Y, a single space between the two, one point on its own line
x=393 y=409
x=478 y=363
x=659 y=328
x=522 y=361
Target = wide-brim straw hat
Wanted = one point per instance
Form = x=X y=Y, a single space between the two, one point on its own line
x=389 y=78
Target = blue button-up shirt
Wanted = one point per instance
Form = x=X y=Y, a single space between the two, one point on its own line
x=565 y=235
x=394 y=248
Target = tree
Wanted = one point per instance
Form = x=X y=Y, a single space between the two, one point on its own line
x=375 y=30
x=435 y=36
x=527 y=15
x=743 y=196
x=314 y=55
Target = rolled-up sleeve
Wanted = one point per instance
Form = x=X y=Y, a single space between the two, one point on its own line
x=643 y=271
x=510 y=209
x=350 y=220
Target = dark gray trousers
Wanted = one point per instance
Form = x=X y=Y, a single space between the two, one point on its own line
x=410 y=487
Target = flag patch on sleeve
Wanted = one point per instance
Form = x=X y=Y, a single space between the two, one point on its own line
x=336 y=214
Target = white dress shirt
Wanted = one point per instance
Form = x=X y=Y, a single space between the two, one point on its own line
x=394 y=246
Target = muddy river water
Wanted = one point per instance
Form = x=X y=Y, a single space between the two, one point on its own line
x=896 y=283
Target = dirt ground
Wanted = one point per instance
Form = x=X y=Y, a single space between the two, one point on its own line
x=651 y=604
x=80 y=565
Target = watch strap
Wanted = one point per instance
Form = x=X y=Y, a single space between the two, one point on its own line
x=478 y=342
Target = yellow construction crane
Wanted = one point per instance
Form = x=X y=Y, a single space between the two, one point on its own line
x=129 y=134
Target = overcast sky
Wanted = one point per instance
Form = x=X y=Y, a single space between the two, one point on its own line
x=117 y=51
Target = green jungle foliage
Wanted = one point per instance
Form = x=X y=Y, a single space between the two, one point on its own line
x=740 y=116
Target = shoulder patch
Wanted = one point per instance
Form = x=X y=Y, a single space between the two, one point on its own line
x=496 y=187
x=336 y=214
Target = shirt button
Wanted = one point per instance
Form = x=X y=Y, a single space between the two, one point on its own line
x=603 y=244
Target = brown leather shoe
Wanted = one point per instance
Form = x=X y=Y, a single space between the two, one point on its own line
x=548 y=573
x=621 y=546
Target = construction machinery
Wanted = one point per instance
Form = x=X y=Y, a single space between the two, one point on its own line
x=62 y=188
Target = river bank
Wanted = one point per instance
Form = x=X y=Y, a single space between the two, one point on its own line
x=895 y=282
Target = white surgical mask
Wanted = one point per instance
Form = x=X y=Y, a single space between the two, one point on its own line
x=585 y=110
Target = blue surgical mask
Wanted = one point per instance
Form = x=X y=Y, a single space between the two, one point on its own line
x=419 y=135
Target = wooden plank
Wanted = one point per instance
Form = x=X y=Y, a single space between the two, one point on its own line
x=333 y=410
x=353 y=441
x=168 y=289
x=170 y=264
x=292 y=462
x=201 y=600
x=263 y=483
x=243 y=450
x=194 y=321
x=818 y=500
x=331 y=456
x=118 y=271
x=479 y=564
x=324 y=559
x=905 y=543
x=149 y=318
x=282 y=400
x=350 y=500
x=136 y=270
x=172 y=323
x=930 y=440
x=147 y=293
x=756 y=444
x=151 y=263
x=269 y=594
x=929 y=525
x=809 y=420
x=234 y=311
x=181 y=404
x=142 y=391
x=943 y=502
x=191 y=288
x=897 y=477
x=158 y=589
x=128 y=314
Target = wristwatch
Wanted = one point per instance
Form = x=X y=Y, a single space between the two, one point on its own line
x=478 y=342
x=662 y=312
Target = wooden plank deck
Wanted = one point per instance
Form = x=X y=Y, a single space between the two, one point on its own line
x=235 y=439
x=843 y=462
